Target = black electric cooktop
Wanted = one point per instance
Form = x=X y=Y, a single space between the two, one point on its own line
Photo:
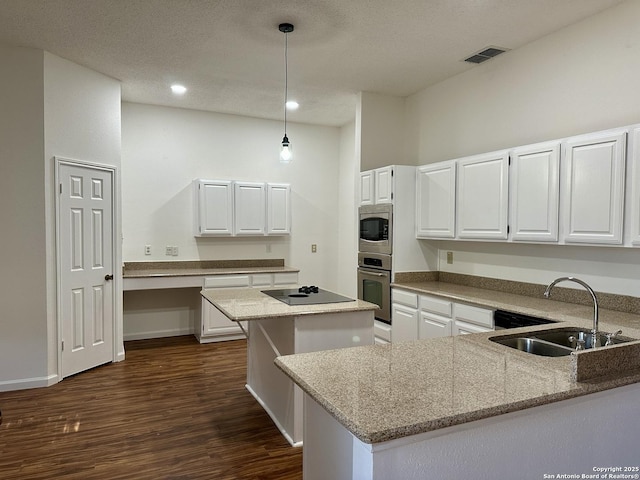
x=311 y=295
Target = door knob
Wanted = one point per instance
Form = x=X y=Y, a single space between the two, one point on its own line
x=108 y=277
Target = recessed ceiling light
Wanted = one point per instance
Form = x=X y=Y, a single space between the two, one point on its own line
x=178 y=89
x=292 y=105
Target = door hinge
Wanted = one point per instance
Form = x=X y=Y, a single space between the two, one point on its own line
x=508 y=229
x=60 y=189
x=392 y=172
x=509 y=161
x=62 y=348
x=391 y=195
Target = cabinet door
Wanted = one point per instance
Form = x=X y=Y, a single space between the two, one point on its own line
x=216 y=323
x=383 y=189
x=404 y=323
x=366 y=188
x=593 y=194
x=214 y=207
x=535 y=192
x=482 y=196
x=634 y=205
x=464 y=328
x=250 y=209
x=434 y=326
x=436 y=200
x=278 y=209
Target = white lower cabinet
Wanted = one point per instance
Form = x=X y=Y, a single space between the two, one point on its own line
x=434 y=326
x=404 y=315
x=464 y=328
x=213 y=325
x=381 y=332
x=404 y=323
x=435 y=317
x=424 y=316
x=469 y=319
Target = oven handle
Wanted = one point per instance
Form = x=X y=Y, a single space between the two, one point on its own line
x=363 y=272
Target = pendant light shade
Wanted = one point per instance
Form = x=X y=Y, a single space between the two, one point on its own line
x=286 y=154
x=285 y=150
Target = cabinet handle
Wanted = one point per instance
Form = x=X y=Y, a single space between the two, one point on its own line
x=108 y=277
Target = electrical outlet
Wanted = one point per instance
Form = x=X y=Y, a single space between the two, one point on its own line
x=314 y=248
x=147 y=249
x=449 y=258
x=174 y=251
x=168 y=250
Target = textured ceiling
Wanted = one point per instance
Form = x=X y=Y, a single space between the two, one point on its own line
x=230 y=54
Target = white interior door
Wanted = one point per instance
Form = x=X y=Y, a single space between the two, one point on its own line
x=85 y=256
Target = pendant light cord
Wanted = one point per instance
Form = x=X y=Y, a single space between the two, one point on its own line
x=286 y=79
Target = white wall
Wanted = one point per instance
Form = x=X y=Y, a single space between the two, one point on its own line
x=82 y=122
x=381 y=122
x=23 y=328
x=164 y=149
x=49 y=107
x=348 y=181
x=578 y=80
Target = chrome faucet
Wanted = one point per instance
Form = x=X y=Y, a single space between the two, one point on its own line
x=594 y=331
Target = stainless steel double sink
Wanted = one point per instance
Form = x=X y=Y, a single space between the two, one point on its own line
x=557 y=343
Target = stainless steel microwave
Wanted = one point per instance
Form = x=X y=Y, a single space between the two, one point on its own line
x=375 y=228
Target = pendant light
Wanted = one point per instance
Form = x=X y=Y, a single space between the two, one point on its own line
x=285 y=148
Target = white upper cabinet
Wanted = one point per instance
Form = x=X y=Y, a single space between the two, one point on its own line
x=383 y=185
x=633 y=208
x=366 y=188
x=250 y=208
x=227 y=207
x=436 y=200
x=534 y=192
x=376 y=186
x=593 y=188
x=482 y=196
x=278 y=209
x=214 y=207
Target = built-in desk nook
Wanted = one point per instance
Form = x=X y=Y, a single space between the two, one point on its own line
x=162 y=299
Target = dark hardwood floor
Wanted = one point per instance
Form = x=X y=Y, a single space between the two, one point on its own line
x=174 y=409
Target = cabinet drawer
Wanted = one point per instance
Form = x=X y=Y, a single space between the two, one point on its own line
x=289 y=278
x=477 y=315
x=435 y=305
x=382 y=330
x=222 y=281
x=261 y=280
x=404 y=298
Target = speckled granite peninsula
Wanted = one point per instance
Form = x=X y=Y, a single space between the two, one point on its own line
x=460 y=405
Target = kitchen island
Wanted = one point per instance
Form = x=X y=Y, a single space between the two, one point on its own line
x=466 y=407
x=274 y=328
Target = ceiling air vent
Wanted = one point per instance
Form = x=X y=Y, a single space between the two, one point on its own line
x=486 y=54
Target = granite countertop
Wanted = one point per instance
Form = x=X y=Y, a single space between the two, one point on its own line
x=203 y=268
x=385 y=392
x=240 y=304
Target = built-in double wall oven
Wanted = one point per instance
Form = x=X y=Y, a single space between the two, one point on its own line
x=374 y=257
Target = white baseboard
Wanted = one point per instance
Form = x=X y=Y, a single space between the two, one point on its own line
x=157 y=334
x=25 y=383
x=273 y=417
